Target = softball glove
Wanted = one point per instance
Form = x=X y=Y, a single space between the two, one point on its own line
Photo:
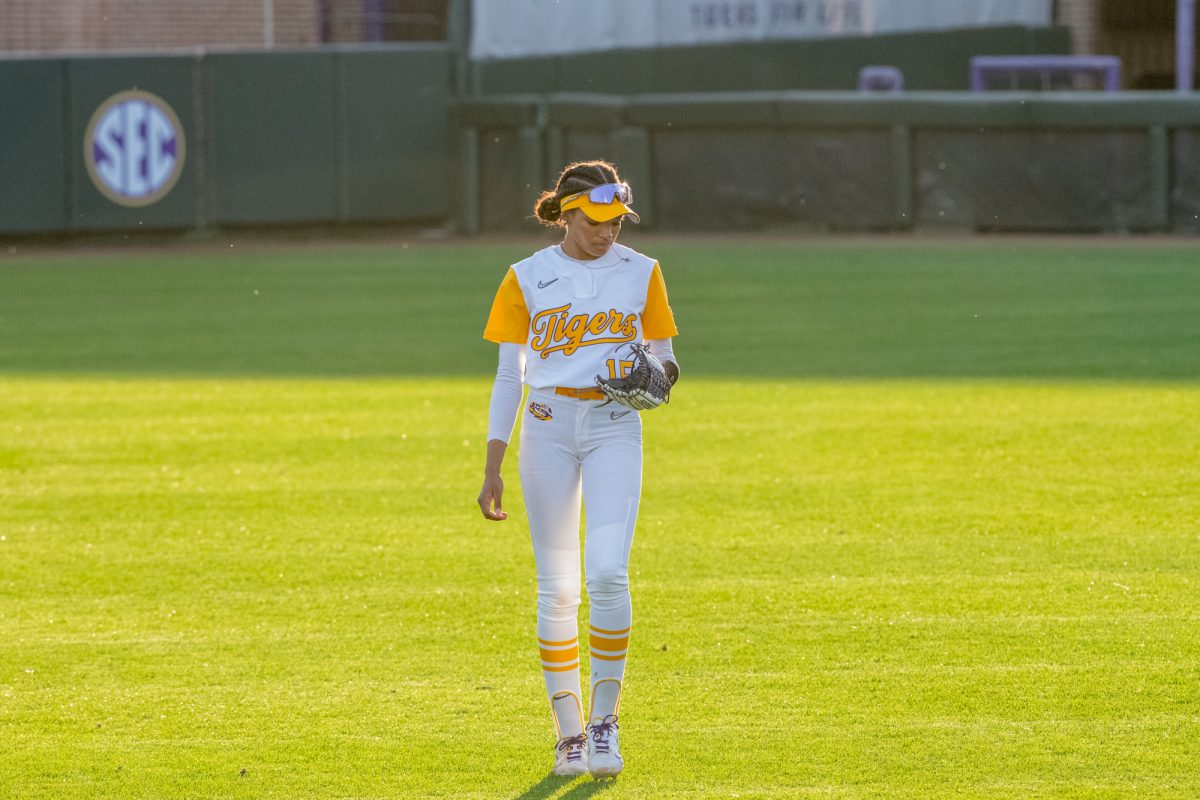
x=644 y=388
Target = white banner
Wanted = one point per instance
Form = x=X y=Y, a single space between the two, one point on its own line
x=516 y=28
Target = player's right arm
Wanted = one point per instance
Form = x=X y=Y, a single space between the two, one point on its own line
x=507 y=325
x=502 y=416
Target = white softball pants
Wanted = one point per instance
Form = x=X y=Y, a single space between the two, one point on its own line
x=571 y=450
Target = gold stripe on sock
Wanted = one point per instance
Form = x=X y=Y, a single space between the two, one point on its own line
x=559 y=656
x=545 y=643
x=566 y=668
x=600 y=643
x=603 y=632
x=603 y=657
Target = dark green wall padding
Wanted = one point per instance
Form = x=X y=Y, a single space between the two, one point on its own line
x=274 y=138
x=332 y=135
x=33 y=171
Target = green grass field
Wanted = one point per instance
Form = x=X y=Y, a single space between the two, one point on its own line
x=921 y=521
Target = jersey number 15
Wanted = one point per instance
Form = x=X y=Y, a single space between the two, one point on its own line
x=618 y=368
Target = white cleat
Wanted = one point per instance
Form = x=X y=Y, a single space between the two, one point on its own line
x=603 y=752
x=570 y=756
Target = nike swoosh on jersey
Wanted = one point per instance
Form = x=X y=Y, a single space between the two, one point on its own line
x=542 y=285
x=617 y=414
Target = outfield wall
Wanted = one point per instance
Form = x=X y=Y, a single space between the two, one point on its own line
x=341 y=134
x=372 y=135
x=1086 y=162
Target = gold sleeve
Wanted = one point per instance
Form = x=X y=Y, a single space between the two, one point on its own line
x=509 y=317
x=657 y=320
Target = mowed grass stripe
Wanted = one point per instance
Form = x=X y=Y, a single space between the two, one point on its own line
x=746 y=308
x=870 y=589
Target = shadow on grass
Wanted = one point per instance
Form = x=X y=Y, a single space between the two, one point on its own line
x=770 y=310
x=549 y=786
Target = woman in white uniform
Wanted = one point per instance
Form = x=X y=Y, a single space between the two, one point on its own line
x=564 y=317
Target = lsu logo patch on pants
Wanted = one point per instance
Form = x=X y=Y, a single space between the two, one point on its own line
x=541 y=411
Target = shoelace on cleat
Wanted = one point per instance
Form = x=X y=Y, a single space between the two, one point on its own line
x=601 y=732
x=573 y=745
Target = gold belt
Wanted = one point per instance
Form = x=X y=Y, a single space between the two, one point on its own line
x=590 y=393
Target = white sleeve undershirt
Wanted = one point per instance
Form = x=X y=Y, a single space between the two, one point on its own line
x=506 y=391
x=661 y=349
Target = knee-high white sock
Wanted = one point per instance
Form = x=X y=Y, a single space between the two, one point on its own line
x=609 y=647
x=608 y=637
x=558 y=645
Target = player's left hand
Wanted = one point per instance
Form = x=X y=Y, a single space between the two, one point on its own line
x=646 y=387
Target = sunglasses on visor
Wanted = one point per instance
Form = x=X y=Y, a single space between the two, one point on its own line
x=605 y=194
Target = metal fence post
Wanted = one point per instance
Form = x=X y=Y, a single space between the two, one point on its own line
x=468 y=177
x=902 y=175
x=1159 y=167
x=632 y=151
x=530 y=163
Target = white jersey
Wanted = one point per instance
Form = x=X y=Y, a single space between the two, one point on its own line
x=578 y=318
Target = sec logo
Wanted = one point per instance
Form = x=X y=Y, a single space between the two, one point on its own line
x=134 y=148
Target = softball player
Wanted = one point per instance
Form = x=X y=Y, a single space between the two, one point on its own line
x=563 y=317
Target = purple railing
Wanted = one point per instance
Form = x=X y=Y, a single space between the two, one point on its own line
x=1185 y=44
x=880 y=79
x=1108 y=68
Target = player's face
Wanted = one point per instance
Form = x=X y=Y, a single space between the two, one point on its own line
x=587 y=238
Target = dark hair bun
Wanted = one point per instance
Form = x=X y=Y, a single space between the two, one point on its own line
x=549 y=207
